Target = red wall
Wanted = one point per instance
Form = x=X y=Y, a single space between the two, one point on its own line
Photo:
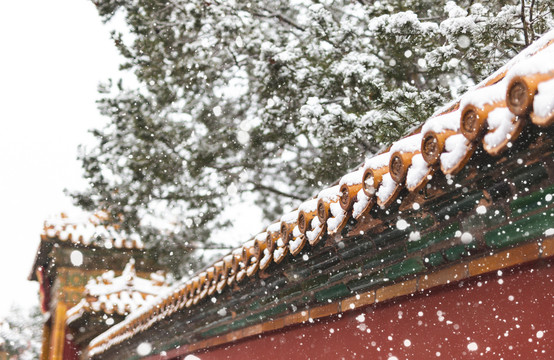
x=508 y=316
x=70 y=349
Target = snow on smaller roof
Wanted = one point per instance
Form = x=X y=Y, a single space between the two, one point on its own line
x=122 y=295
x=91 y=231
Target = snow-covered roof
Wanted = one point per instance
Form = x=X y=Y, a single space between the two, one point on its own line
x=91 y=231
x=87 y=230
x=486 y=120
x=122 y=295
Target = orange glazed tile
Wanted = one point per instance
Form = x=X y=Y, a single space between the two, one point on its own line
x=273 y=324
x=396 y=290
x=297 y=318
x=218 y=340
x=252 y=330
x=198 y=345
x=548 y=247
x=325 y=310
x=442 y=277
x=193 y=347
x=504 y=259
x=357 y=301
x=233 y=336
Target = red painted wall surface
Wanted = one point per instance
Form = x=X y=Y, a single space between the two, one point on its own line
x=507 y=315
x=70 y=350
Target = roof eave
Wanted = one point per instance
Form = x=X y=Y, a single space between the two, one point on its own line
x=41 y=255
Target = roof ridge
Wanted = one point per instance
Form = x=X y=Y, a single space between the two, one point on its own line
x=89 y=231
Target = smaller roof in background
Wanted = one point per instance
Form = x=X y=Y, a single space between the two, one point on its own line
x=94 y=230
x=108 y=294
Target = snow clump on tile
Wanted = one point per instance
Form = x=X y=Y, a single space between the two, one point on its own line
x=501 y=123
x=417 y=171
x=543 y=104
x=360 y=204
x=338 y=215
x=317 y=228
x=388 y=185
x=455 y=149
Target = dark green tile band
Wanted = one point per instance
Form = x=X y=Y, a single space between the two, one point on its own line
x=463 y=203
x=367 y=281
x=521 y=230
x=433 y=259
x=433 y=238
x=216 y=331
x=405 y=268
x=316 y=282
x=536 y=200
x=332 y=293
x=528 y=176
x=384 y=257
x=490 y=219
x=456 y=252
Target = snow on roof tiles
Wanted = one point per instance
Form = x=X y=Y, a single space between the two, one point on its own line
x=451 y=145
x=122 y=295
x=89 y=232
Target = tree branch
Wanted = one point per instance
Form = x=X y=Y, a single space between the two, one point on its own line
x=372 y=148
x=531 y=20
x=524 y=23
x=281 y=17
x=259 y=186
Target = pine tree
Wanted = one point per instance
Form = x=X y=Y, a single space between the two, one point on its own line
x=20 y=333
x=276 y=99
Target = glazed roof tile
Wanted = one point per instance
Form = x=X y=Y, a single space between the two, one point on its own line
x=91 y=231
x=94 y=231
x=122 y=295
x=448 y=138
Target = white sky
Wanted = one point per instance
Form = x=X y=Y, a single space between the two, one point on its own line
x=53 y=54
